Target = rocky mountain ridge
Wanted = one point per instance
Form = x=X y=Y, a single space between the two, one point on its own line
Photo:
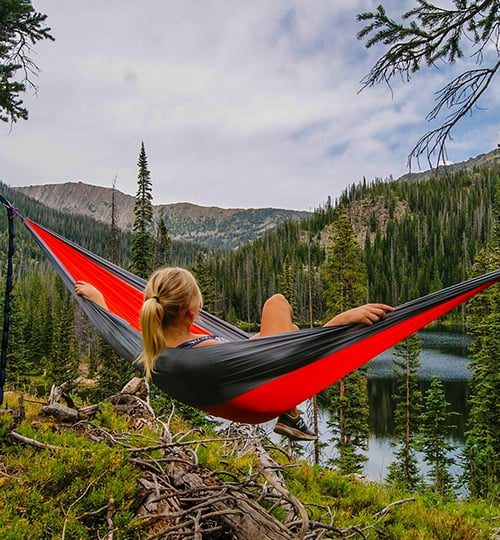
x=217 y=227
x=488 y=158
x=211 y=226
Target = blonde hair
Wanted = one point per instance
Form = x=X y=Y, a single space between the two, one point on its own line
x=169 y=293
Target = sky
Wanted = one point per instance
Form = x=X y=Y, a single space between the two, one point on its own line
x=239 y=104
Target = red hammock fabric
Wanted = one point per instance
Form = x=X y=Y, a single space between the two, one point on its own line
x=122 y=298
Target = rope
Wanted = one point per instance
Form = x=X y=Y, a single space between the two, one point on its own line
x=11 y=212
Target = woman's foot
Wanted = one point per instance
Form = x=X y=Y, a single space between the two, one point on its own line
x=293 y=427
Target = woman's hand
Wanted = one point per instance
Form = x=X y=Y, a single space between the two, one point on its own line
x=367 y=314
x=82 y=288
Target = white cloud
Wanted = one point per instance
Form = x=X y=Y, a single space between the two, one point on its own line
x=239 y=104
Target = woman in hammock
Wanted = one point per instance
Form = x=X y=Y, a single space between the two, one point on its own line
x=172 y=301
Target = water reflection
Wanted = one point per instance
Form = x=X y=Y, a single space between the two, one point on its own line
x=444 y=357
x=380 y=392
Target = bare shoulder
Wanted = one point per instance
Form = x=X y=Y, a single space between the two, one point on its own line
x=207 y=343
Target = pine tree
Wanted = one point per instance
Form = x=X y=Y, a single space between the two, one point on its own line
x=163 y=245
x=18 y=360
x=20 y=28
x=434 y=429
x=482 y=448
x=36 y=302
x=348 y=403
x=344 y=277
x=344 y=272
x=63 y=362
x=408 y=405
x=113 y=237
x=142 y=236
x=206 y=281
x=286 y=282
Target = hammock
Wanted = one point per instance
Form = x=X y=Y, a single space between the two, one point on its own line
x=244 y=380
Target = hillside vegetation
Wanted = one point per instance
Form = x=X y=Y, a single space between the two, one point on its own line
x=416 y=237
x=120 y=472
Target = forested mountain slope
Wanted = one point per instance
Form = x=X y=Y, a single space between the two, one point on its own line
x=416 y=237
x=83 y=230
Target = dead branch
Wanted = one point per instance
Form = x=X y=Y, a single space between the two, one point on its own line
x=32 y=442
x=61 y=412
x=109 y=518
x=388 y=508
x=251 y=521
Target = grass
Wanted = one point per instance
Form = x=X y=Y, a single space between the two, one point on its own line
x=58 y=494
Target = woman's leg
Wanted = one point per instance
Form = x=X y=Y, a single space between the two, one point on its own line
x=276 y=318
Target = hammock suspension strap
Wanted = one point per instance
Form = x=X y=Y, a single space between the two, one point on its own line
x=11 y=212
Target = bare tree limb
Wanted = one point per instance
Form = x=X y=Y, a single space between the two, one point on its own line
x=32 y=442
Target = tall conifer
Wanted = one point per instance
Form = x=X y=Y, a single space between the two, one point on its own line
x=142 y=235
x=18 y=360
x=344 y=277
x=113 y=237
x=408 y=405
x=63 y=362
x=206 y=281
x=163 y=245
x=286 y=281
x=434 y=429
x=112 y=370
x=482 y=447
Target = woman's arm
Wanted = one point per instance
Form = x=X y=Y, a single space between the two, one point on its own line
x=367 y=314
x=87 y=290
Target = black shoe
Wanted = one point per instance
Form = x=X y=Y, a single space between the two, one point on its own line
x=294 y=428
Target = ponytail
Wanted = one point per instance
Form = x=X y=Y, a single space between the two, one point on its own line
x=151 y=318
x=168 y=294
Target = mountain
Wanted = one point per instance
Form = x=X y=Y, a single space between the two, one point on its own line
x=210 y=226
x=489 y=159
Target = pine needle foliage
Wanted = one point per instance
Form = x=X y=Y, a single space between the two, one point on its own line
x=162 y=245
x=427 y=36
x=21 y=27
x=404 y=471
x=286 y=282
x=62 y=365
x=434 y=430
x=482 y=448
x=142 y=229
x=344 y=271
x=19 y=367
x=206 y=283
x=344 y=278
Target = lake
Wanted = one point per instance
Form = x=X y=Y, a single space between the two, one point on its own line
x=444 y=356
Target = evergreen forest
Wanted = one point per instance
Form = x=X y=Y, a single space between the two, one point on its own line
x=415 y=237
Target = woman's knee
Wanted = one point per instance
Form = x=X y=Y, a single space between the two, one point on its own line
x=277 y=300
x=276 y=316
